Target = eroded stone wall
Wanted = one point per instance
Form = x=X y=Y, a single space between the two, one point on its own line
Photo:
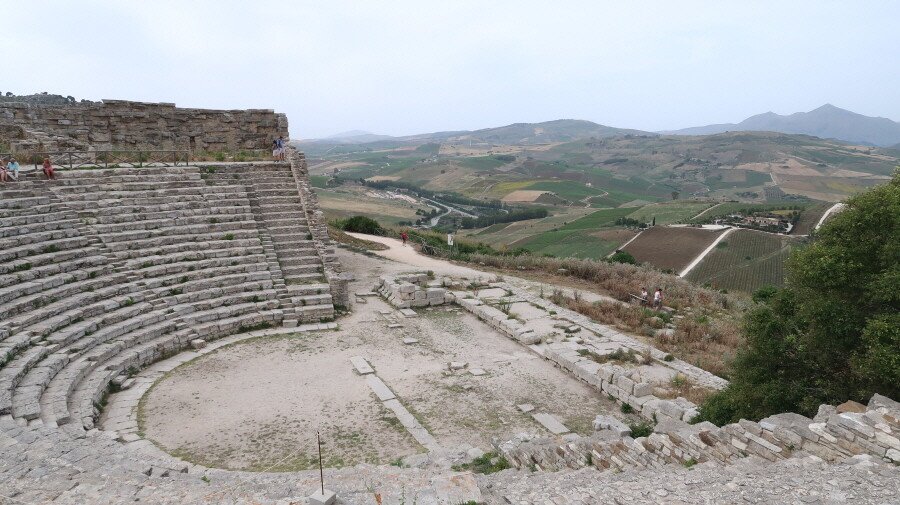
x=121 y=124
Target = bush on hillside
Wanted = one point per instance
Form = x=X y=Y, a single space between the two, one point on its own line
x=833 y=333
x=623 y=257
x=361 y=224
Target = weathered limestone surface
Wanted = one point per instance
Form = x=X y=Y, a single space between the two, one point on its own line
x=875 y=432
x=121 y=124
x=414 y=290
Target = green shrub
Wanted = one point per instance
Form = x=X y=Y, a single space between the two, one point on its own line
x=361 y=224
x=764 y=294
x=641 y=429
x=623 y=257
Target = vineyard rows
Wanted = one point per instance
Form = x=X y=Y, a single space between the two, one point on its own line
x=745 y=261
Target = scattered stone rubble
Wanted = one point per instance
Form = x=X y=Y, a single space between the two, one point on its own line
x=831 y=437
x=415 y=290
x=572 y=341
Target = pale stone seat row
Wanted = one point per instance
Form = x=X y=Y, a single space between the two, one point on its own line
x=26 y=226
x=87 y=395
x=174 y=280
x=161 y=222
x=174 y=210
x=156 y=258
x=194 y=306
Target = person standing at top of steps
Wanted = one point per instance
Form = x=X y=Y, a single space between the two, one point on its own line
x=278 y=148
x=276 y=152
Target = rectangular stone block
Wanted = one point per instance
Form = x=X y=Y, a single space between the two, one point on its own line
x=551 y=423
x=361 y=365
x=380 y=389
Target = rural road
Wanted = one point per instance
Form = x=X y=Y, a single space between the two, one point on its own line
x=435 y=219
x=831 y=210
x=706 y=251
x=408 y=255
x=704 y=211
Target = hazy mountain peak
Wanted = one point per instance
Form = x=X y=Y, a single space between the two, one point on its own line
x=826 y=121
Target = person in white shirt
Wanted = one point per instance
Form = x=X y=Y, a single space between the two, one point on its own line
x=657 y=298
x=645 y=300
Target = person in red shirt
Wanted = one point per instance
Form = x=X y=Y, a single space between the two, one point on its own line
x=48 y=169
x=404 y=237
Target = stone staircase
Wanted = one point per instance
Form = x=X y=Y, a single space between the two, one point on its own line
x=291 y=252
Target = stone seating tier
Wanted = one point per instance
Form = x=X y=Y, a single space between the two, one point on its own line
x=106 y=271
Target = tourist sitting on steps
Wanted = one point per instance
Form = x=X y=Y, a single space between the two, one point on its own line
x=4 y=174
x=13 y=168
x=48 y=169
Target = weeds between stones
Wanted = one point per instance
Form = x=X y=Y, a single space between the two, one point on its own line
x=489 y=462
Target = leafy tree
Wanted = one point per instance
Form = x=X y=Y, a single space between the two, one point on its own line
x=623 y=257
x=833 y=333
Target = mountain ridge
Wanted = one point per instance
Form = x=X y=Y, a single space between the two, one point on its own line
x=557 y=130
x=827 y=121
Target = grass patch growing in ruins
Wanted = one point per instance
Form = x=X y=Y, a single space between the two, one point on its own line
x=620 y=355
x=640 y=429
x=489 y=462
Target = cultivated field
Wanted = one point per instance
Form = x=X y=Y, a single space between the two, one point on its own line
x=809 y=218
x=670 y=248
x=343 y=202
x=577 y=243
x=670 y=212
x=745 y=261
x=513 y=234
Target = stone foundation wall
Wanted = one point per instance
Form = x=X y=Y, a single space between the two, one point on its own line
x=414 y=290
x=120 y=124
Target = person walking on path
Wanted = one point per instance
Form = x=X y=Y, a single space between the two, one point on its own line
x=657 y=298
x=404 y=237
x=13 y=168
x=48 y=169
x=645 y=297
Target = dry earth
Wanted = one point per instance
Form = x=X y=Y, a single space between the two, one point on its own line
x=257 y=404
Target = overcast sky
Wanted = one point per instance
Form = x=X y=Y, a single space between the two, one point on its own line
x=399 y=67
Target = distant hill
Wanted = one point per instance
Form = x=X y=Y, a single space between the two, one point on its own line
x=354 y=137
x=828 y=122
x=560 y=130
